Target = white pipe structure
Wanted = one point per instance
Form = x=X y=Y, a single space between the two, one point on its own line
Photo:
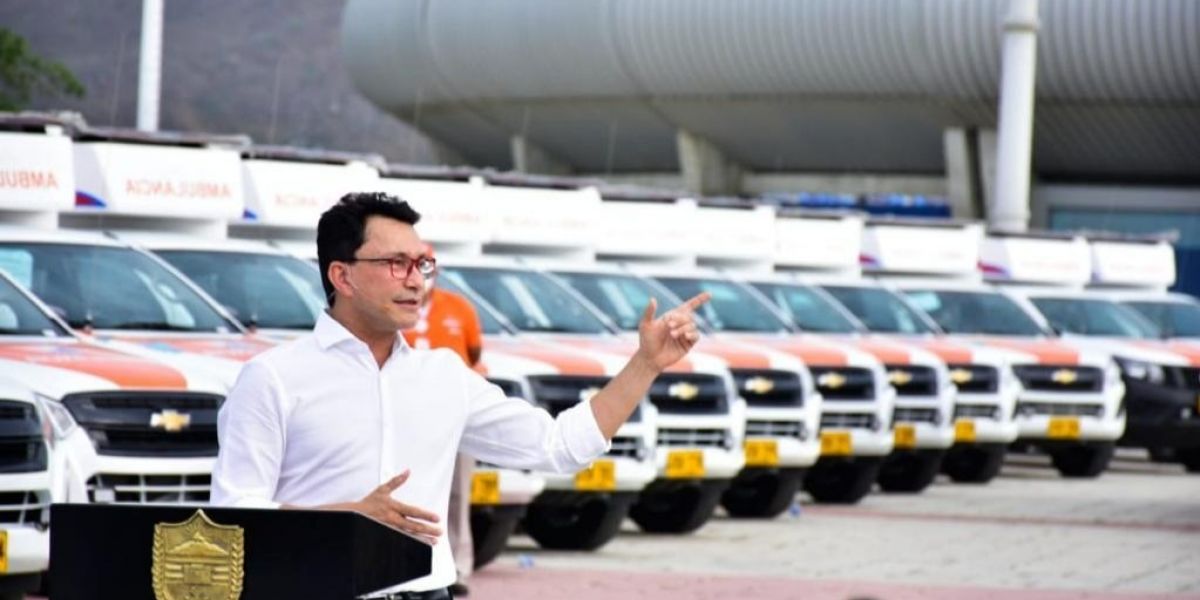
x=150 y=65
x=1010 y=206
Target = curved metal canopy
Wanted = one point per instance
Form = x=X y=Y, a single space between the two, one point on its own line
x=783 y=85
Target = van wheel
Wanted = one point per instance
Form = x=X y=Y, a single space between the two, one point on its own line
x=667 y=506
x=973 y=464
x=1160 y=454
x=910 y=472
x=842 y=481
x=762 y=493
x=1190 y=457
x=577 y=525
x=1083 y=460
x=490 y=528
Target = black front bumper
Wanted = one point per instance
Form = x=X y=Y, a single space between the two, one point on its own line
x=1160 y=416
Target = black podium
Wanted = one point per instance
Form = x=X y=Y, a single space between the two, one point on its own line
x=144 y=552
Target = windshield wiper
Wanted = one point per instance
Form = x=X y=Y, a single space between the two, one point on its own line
x=308 y=325
x=552 y=329
x=149 y=326
x=7 y=331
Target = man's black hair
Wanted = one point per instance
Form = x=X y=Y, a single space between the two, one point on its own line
x=342 y=228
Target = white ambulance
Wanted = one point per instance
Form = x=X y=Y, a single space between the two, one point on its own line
x=986 y=387
x=81 y=422
x=1070 y=398
x=1162 y=378
x=1137 y=272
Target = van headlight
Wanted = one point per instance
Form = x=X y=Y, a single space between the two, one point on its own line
x=61 y=423
x=1140 y=369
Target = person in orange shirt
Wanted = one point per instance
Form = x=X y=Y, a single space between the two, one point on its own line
x=447 y=320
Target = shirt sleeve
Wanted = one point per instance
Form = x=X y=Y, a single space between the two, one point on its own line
x=250 y=434
x=510 y=432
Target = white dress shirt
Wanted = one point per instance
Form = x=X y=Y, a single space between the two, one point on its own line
x=317 y=421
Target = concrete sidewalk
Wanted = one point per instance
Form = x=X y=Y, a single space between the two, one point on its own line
x=1133 y=533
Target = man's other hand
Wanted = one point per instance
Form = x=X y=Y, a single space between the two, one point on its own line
x=380 y=505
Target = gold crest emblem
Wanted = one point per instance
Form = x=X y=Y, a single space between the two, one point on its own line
x=831 y=380
x=198 y=560
x=759 y=385
x=899 y=377
x=683 y=390
x=170 y=420
x=961 y=376
x=1064 y=377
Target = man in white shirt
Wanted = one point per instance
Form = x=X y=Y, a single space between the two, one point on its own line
x=351 y=418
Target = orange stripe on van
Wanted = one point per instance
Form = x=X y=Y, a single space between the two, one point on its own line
x=566 y=363
x=126 y=371
x=1047 y=353
x=813 y=353
x=622 y=348
x=888 y=353
x=738 y=357
x=1189 y=351
x=240 y=349
x=950 y=352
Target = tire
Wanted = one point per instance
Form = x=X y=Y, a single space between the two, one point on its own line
x=1082 y=460
x=762 y=494
x=1190 y=457
x=1161 y=454
x=973 y=464
x=677 y=506
x=581 y=524
x=842 y=481
x=910 y=472
x=490 y=528
x=15 y=587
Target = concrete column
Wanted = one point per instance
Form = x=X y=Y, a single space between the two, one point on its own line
x=150 y=65
x=1010 y=209
x=706 y=170
x=985 y=143
x=527 y=157
x=962 y=172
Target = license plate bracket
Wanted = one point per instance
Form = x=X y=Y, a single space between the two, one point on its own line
x=836 y=443
x=964 y=431
x=762 y=453
x=685 y=464
x=600 y=476
x=1063 y=428
x=485 y=488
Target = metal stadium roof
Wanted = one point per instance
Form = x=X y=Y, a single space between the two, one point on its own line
x=783 y=85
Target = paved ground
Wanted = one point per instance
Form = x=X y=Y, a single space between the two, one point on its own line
x=1133 y=533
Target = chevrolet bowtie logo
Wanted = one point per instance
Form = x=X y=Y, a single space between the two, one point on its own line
x=759 y=385
x=899 y=377
x=831 y=380
x=961 y=376
x=683 y=390
x=170 y=420
x=586 y=394
x=1064 y=377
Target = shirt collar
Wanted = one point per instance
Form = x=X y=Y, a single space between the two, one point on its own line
x=330 y=333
